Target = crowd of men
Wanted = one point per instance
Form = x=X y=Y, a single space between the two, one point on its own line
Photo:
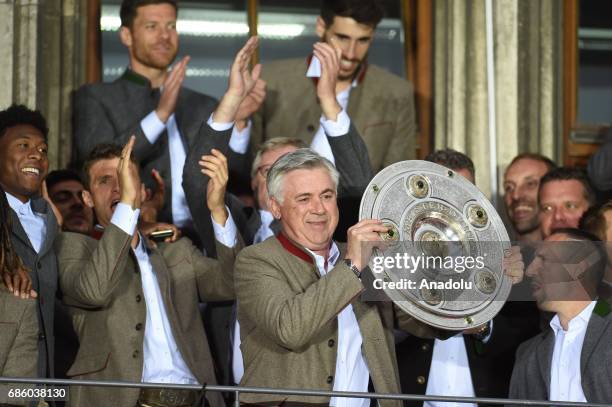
x=138 y=265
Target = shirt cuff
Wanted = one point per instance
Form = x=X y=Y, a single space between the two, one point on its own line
x=152 y=127
x=226 y=234
x=125 y=218
x=218 y=126
x=239 y=141
x=337 y=128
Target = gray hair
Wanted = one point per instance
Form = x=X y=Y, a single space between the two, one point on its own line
x=301 y=159
x=273 y=144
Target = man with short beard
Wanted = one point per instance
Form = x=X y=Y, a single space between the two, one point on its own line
x=565 y=194
x=380 y=105
x=168 y=119
x=521 y=182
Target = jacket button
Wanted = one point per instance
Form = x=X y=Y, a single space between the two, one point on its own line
x=135 y=354
x=421 y=380
x=331 y=343
x=330 y=379
x=41 y=336
x=39 y=265
x=138 y=298
x=138 y=326
x=425 y=347
x=310 y=128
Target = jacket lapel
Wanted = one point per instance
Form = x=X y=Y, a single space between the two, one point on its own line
x=375 y=347
x=595 y=329
x=19 y=231
x=184 y=124
x=354 y=101
x=369 y=323
x=40 y=206
x=161 y=273
x=544 y=355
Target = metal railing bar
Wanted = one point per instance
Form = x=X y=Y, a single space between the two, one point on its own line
x=295 y=392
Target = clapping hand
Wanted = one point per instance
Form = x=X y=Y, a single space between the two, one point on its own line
x=129 y=180
x=329 y=57
x=170 y=92
x=215 y=167
x=242 y=83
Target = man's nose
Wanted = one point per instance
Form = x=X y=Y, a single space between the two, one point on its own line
x=516 y=193
x=35 y=153
x=317 y=206
x=76 y=201
x=349 y=50
x=115 y=185
x=164 y=32
x=558 y=214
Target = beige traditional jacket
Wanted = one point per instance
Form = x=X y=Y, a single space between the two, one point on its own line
x=381 y=107
x=102 y=286
x=289 y=329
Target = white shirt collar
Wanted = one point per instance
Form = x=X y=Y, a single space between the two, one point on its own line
x=22 y=208
x=266 y=217
x=314 y=70
x=576 y=324
x=334 y=253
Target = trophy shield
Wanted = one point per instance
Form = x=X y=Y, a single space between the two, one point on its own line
x=444 y=248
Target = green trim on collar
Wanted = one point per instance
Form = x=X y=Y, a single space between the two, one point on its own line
x=479 y=347
x=133 y=77
x=602 y=308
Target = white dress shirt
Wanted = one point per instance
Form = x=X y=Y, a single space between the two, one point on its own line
x=352 y=373
x=33 y=223
x=331 y=128
x=264 y=230
x=449 y=374
x=163 y=362
x=153 y=127
x=565 y=377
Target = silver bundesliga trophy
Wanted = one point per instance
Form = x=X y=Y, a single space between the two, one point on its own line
x=441 y=261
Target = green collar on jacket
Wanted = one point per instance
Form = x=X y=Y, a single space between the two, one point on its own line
x=602 y=308
x=135 y=78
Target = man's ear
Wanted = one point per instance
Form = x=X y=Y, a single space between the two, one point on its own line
x=125 y=35
x=320 y=27
x=274 y=207
x=87 y=198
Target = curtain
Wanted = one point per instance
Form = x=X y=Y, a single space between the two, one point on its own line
x=527 y=69
x=42 y=46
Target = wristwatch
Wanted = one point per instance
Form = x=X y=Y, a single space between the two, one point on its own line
x=353 y=268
